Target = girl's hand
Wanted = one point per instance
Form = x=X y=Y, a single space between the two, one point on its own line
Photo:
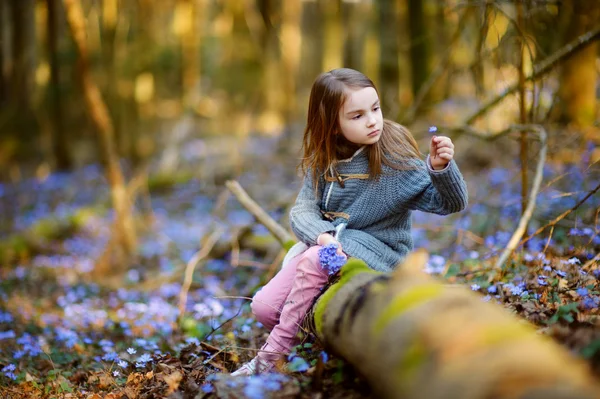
x=441 y=152
x=326 y=239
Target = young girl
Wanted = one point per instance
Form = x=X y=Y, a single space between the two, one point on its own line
x=363 y=178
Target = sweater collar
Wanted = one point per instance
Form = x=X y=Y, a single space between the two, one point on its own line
x=361 y=149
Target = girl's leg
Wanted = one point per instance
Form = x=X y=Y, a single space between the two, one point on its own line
x=267 y=302
x=307 y=283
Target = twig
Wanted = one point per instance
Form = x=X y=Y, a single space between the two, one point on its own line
x=191 y=265
x=263 y=217
x=561 y=216
x=542 y=68
x=537 y=181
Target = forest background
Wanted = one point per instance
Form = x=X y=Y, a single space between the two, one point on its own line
x=122 y=120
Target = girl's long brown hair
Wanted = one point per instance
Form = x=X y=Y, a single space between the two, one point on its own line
x=395 y=148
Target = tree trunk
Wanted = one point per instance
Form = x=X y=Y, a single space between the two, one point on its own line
x=3 y=24
x=414 y=337
x=126 y=237
x=578 y=77
x=389 y=68
x=290 y=47
x=354 y=17
x=312 y=43
x=419 y=45
x=23 y=59
x=60 y=141
x=332 y=34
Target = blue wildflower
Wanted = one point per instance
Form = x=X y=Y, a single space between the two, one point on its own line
x=131 y=351
x=486 y=298
x=330 y=260
x=561 y=273
x=433 y=129
x=582 y=291
x=492 y=289
x=573 y=261
x=475 y=287
x=122 y=363
x=145 y=358
x=542 y=280
x=111 y=357
x=298 y=364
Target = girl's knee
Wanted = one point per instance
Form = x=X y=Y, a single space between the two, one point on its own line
x=311 y=259
x=263 y=310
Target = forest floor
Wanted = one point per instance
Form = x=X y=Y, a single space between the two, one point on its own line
x=68 y=333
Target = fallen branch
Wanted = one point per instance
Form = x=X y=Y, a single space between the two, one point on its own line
x=542 y=68
x=281 y=234
x=191 y=265
x=561 y=216
x=537 y=181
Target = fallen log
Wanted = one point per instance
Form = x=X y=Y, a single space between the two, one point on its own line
x=412 y=336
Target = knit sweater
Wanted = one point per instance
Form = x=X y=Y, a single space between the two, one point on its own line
x=377 y=212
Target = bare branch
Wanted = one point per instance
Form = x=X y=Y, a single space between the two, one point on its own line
x=542 y=68
x=537 y=181
x=263 y=217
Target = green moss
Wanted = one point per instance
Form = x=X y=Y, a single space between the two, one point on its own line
x=288 y=244
x=163 y=181
x=404 y=301
x=414 y=357
x=350 y=270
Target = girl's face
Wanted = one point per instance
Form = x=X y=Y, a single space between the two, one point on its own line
x=361 y=120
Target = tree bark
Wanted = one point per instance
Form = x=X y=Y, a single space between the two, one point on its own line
x=60 y=140
x=389 y=67
x=22 y=65
x=3 y=81
x=579 y=74
x=332 y=34
x=414 y=337
x=419 y=45
x=126 y=237
x=354 y=15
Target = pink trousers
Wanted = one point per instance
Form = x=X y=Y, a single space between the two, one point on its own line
x=283 y=302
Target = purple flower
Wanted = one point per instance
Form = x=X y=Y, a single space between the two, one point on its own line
x=492 y=289
x=433 y=129
x=582 y=291
x=561 y=273
x=330 y=260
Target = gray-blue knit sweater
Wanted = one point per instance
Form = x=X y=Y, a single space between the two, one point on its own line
x=377 y=212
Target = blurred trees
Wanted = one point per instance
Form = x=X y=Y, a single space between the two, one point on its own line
x=235 y=67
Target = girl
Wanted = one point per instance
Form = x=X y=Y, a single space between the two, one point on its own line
x=363 y=176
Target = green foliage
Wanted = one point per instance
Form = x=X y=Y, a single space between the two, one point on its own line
x=564 y=312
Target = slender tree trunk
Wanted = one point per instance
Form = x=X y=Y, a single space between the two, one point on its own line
x=332 y=34
x=312 y=43
x=579 y=74
x=271 y=117
x=290 y=47
x=126 y=236
x=60 y=140
x=190 y=36
x=413 y=337
x=23 y=59
x=419 y=45
x=389 y=68
x=353 y=17
x=3 y=82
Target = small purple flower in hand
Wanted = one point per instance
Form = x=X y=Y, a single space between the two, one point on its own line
x=330 y=260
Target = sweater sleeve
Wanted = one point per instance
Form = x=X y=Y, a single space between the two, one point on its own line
x=438 y=191
x=306 y=219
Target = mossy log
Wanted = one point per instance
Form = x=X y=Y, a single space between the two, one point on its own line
x=412 y=336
